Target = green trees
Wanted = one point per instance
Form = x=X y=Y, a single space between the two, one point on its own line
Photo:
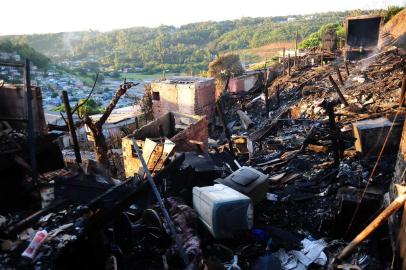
x=391 y=12
x=314 y=40
x=89 y=108
x=25 y=51
x=186 y=48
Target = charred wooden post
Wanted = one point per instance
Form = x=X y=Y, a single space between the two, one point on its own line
x=289 y=64
x=266 y=93
x=30 y=123
x=283 y=62
x=346 y=68
x=136 y=123
x=402 y=92
x=224 y=124
x=340 y=78
x=296 y=42
x=278 y=96
x=71 y=127
x=337 y=89
x=266 y=101
x=322 y=58
x=333 y=130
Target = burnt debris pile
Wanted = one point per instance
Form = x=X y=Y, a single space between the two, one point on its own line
x=302 y=168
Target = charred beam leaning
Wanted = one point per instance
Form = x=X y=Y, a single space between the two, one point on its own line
x=346 y=68
x=342 y=98
x=340 y=78
x=71 y=127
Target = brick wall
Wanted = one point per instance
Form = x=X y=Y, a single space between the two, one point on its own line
x=189 y=98
x=168 y=98
x=186 y=98
x=198 y=131
x=205 y=99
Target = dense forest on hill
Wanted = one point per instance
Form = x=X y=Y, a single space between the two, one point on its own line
x=25 y=51
x=188 y=48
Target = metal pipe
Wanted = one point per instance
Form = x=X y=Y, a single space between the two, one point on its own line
x=162 y=206
x=30 y=124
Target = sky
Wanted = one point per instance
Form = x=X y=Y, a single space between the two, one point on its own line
x=51 y=16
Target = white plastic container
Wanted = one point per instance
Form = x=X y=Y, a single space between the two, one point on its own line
x=223 y=210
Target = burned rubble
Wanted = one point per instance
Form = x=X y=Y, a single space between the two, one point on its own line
x=286 y=176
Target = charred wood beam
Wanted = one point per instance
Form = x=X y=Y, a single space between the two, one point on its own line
x=278 y=97
x=337 y=89
x=333 y=130
x=26 y=222
x=224 y=124
x=346 y=68
x=340 y=78
x=266 y=92
x=322 y=58
x=17 y=65
x=52 y=127
x=64 y=127
x=71 y=127
x=402 y=92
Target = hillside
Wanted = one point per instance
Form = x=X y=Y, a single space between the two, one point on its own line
x=188 y=48
x=25 y=51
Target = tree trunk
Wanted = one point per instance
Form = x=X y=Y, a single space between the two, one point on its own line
x=99 y=143
x=100 y=146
